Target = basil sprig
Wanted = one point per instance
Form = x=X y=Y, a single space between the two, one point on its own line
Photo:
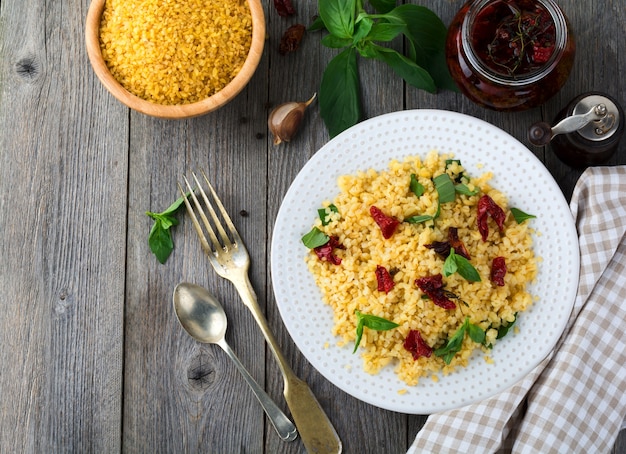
x=455 y=263
x=454 y=344
x=372 y=322
x=160 y=237
x=357 y=32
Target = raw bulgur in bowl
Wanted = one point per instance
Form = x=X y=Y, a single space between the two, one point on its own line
x=175 y=58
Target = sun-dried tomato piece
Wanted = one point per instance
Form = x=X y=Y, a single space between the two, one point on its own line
x=291 y=39
x=440 y=247
x=384 y=279
x=487 y=207
x=387 y=224
x=541 y=54
x=432 y=286
x=416 y=345
x=456 y=243
x=284 y=8
x=325 y=252
x=443 y=247
x=498 y=271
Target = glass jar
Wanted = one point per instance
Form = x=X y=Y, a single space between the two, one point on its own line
x=510 y=55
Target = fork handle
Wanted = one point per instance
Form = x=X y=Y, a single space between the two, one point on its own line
x=315 y=429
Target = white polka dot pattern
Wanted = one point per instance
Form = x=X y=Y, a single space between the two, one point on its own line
x=481 y=147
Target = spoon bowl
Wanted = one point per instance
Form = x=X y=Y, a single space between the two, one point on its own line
x=200 y=314
x=204 y=319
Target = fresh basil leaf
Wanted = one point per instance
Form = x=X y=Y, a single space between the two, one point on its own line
x=504 y=330
x=339 y=97
x=466 y=269
x=454 y=344
x=176 y=205
x=168 y=220
x=334 y=42
x=463 y=189
x=378 y=323
x=449 y=265
x=372 y=322
x=338 y=16
x=383 y=6
x=384 y=31
x=423 y=28
x=409 y=71
x=324 y=216
x=160 y=236
x=318 y=24
x=416 y=187
x=419 y=219
x=520 y=216
x=315 y=238
x=476 y=333
x=359 y=332
x=445 y=188
x=455 y=263
x=426 y=34
x=160 y=242
x=362 y=28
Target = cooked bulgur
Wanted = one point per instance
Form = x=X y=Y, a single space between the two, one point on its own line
x=352 y=285
x=175 y=51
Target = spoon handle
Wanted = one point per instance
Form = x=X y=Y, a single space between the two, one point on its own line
x=283 y=425
x=316 y=431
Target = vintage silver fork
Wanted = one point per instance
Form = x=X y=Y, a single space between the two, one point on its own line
x=231 y=260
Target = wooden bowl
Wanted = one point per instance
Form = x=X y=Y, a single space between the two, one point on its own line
x=92 y=39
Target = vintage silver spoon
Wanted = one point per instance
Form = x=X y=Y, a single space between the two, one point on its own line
x=203 y=317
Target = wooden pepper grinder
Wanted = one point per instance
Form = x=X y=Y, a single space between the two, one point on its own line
x=587 y=130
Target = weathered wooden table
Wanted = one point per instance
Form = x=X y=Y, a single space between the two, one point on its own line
x=92 y=358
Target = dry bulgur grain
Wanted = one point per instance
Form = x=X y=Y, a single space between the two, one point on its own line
x=174 y=52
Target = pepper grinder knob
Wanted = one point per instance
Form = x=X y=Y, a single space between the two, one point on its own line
x=586 y=132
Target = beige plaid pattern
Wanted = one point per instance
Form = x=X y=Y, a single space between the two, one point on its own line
x=575 y=400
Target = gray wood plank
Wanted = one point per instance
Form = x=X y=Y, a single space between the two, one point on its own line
x=62 y=213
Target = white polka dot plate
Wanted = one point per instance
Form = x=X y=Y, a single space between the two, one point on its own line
x=481 y=147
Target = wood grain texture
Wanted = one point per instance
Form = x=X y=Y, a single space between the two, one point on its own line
x=62 y=214
x=92 y=358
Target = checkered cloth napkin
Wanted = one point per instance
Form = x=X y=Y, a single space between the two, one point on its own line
x=575 y=400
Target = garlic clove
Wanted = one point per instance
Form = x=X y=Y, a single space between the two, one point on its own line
x=284 y=120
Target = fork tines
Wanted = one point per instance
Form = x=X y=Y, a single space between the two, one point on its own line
x=220 y=241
